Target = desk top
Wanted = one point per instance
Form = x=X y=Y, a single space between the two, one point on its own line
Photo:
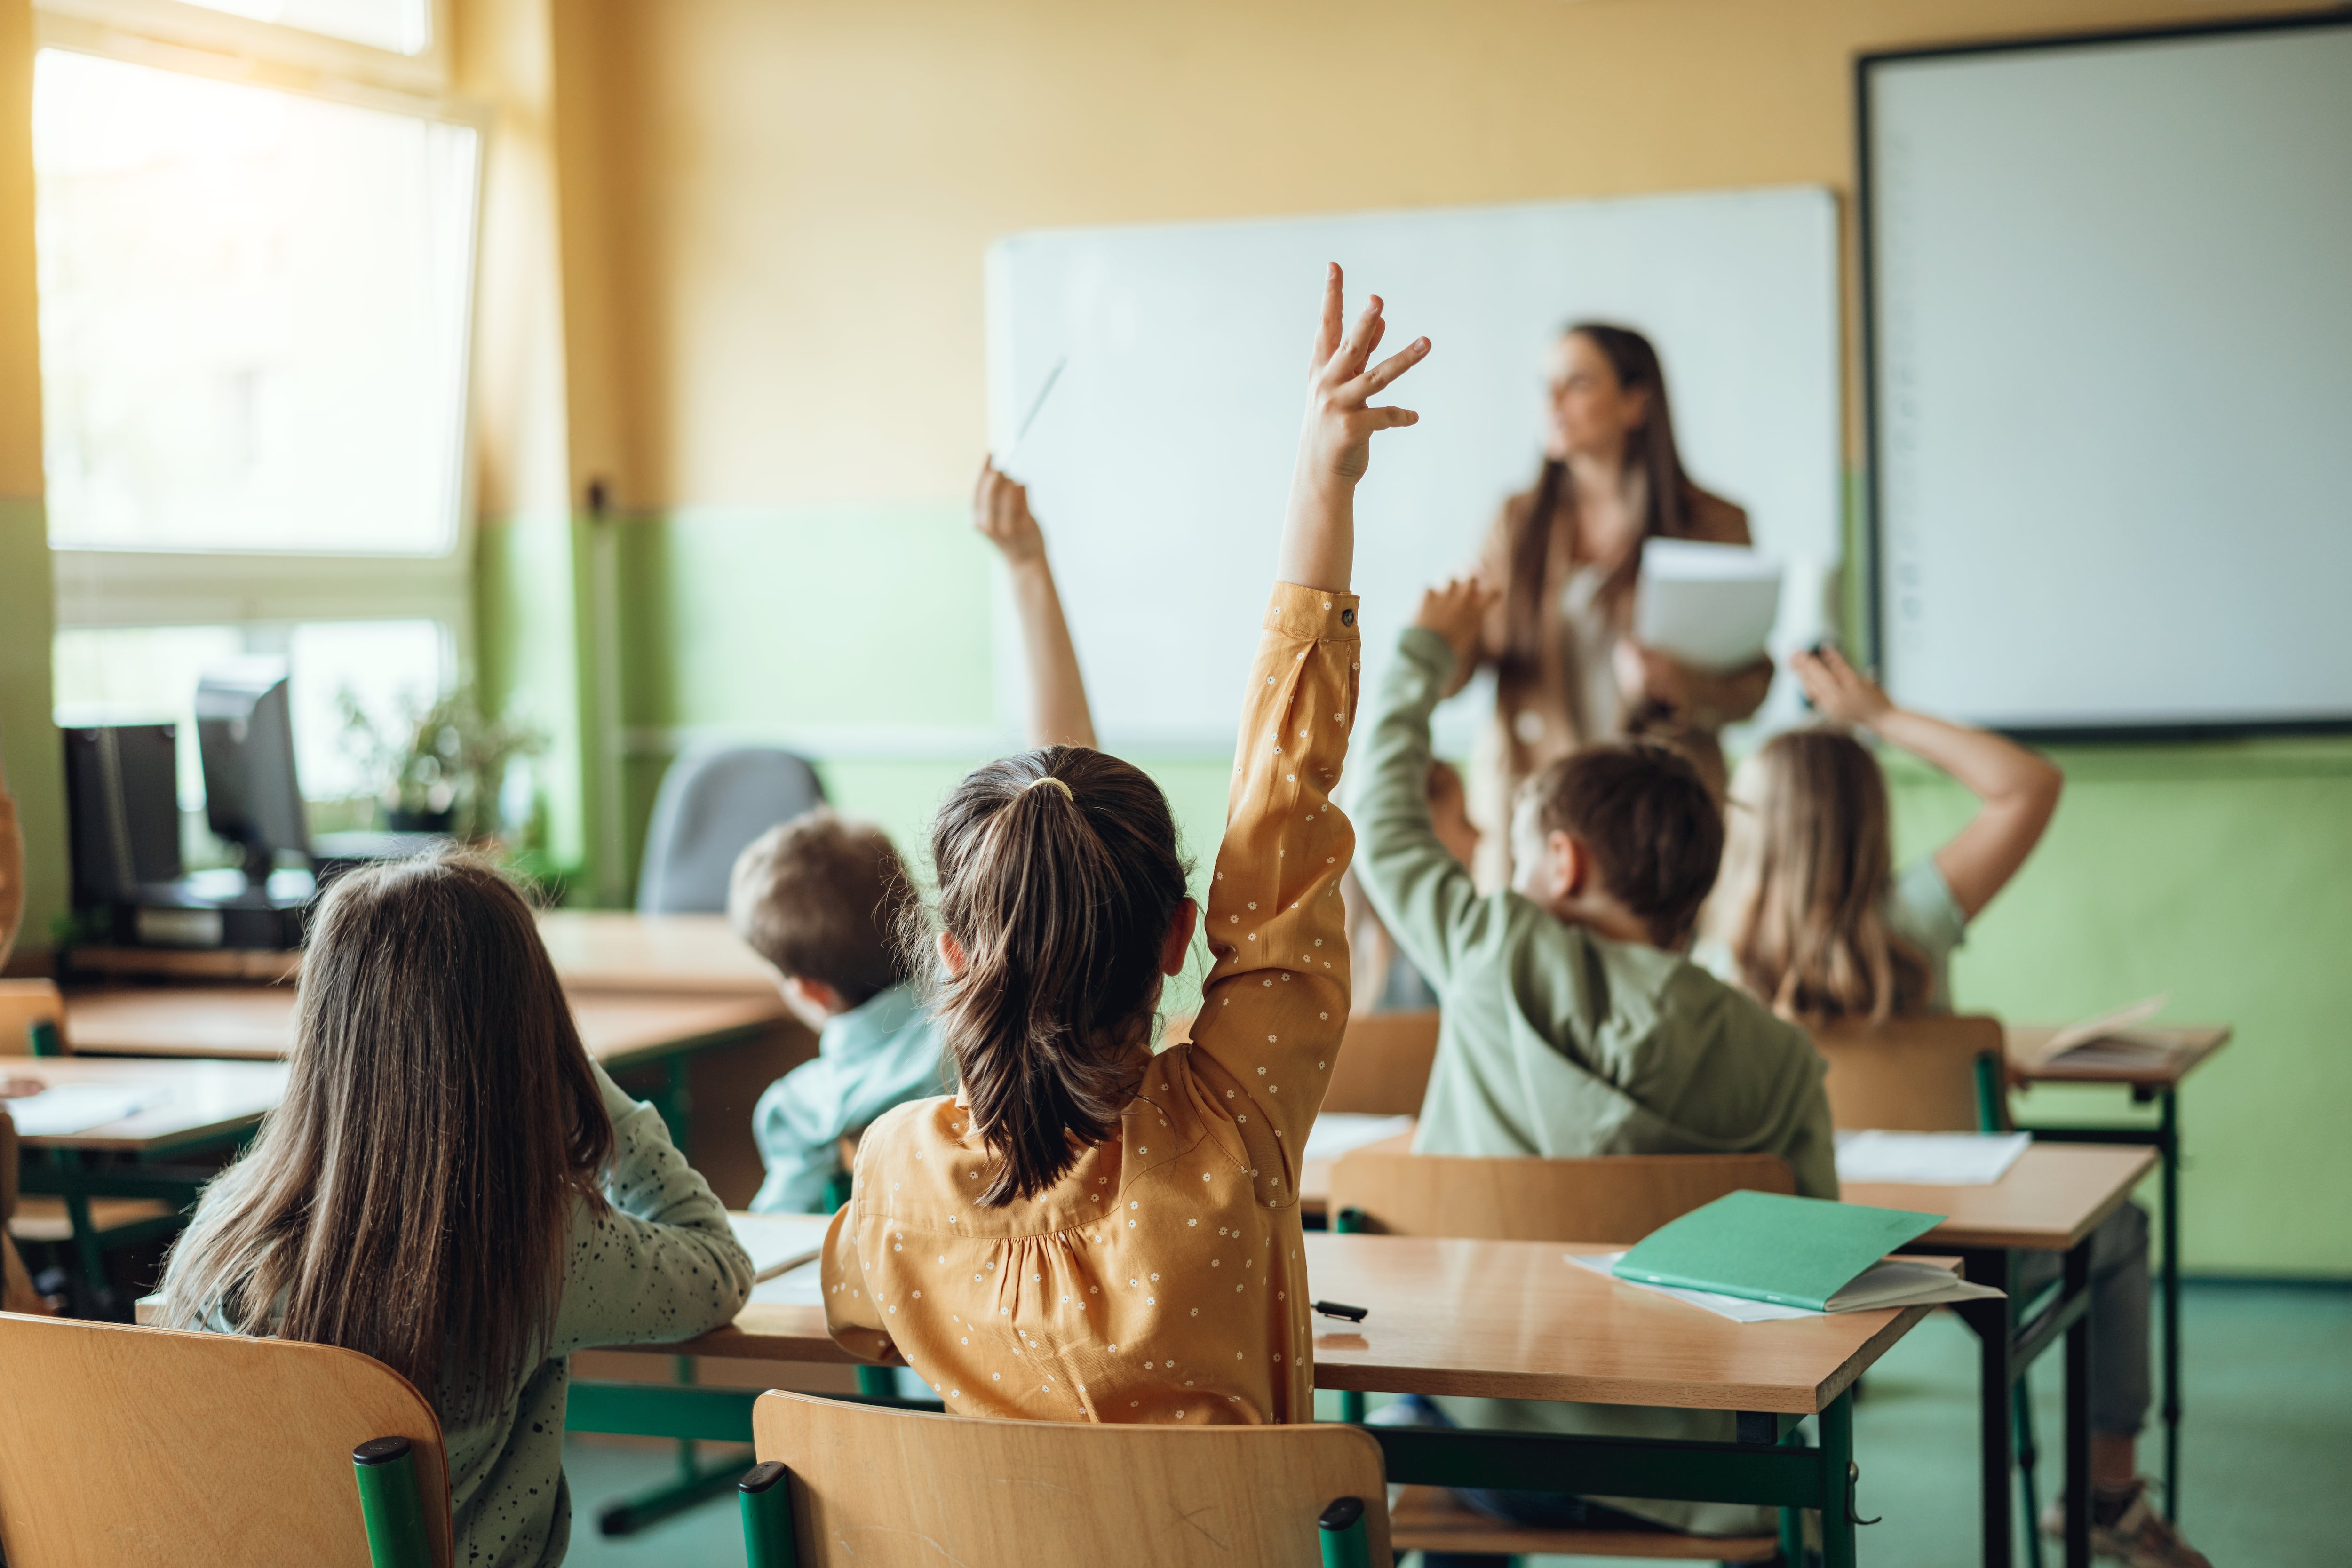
x=1500 y=1319
x=594 y=950
x=2054 y=1197
x=195 y=1098
x=621 y=1030
x=2180 y=1051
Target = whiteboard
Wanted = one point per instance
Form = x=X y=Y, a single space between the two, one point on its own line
x=2112 y=311
x=1160 y=462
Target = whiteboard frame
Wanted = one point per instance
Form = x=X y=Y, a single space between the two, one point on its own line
x=1870 y=541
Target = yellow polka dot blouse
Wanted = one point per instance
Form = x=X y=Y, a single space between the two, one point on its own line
x=1162 y=1280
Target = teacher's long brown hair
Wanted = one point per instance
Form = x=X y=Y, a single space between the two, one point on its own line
x=412 y=1198
x=1649 y=447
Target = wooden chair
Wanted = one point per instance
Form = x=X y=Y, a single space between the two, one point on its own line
x=124 y=1445
x=1916 y=1075
x=1618 y=1200
x=1384 y=1063
x=23 y=1004
x=17 y=1293
x=842 y=1484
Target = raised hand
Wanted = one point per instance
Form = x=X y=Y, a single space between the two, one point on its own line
x=1337 y=439
x=1319 y=537
x=1000 y=514
x=1838 y=690
x=1455 y=609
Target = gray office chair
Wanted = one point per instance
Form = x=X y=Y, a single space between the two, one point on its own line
x=711 y=805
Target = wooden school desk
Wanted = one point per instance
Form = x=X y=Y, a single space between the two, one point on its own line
x=2155 y=1076
x=1506 y=1319
x=191 y=1105
x=2051 y=1200
x=609 y=950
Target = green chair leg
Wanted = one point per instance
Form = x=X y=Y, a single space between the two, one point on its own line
x=1346 y=1543
x=1992 y=1094
x=1351 y=1221
x=767 y=1496
x=42 y=1038
x=876 y=1380
x=1351 y=1406
x=391 y=1505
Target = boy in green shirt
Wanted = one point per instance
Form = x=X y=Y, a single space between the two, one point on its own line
x=1574 y=1023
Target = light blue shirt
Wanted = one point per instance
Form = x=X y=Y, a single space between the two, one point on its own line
x=881 y=1053
x=1920 y=909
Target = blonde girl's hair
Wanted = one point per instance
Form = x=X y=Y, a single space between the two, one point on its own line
x=412 y=1197
x=1060 y=899
x=1807 y=872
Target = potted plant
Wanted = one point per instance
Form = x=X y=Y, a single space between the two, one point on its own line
x=440 y=767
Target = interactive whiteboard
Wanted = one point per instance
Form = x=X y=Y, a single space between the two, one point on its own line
x=1161 y=461
x=2111 y=307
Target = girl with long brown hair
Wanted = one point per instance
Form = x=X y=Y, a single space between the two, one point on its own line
x=1089 y=1231
x=453 y=1187
x=1566 y=556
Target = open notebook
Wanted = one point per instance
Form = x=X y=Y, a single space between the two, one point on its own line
x=2110 y=1040
x=777 y=1242
x=1795 y=1256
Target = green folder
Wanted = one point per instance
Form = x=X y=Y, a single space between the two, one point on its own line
x=1797 y=1252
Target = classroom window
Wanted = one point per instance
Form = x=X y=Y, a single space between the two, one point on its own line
x=253 y=313
x=146 y=675
x=404 y=27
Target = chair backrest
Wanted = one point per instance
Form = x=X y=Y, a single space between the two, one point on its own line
x=711 y=804
x=1915 y=1074
x=894 y=1489
x=7 y=1165
x=1384 y=1062
x=126 y=1444
x=23 y=1004
x=1618 y=1198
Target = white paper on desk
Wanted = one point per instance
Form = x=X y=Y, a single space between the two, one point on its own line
x=1928 y=1159
x=802 y=1287
x=1335 y=1133
x=71 y=1108
x=1710 y=606
x=779 y=1241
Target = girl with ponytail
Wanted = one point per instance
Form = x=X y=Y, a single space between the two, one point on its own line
x=1087 y=1231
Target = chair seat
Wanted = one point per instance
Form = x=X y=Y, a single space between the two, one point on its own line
x=1429 y=1518
x=44 y=1219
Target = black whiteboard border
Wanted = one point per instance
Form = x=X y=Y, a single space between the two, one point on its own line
x=1873 y=584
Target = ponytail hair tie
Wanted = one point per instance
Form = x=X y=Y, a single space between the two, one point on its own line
x=1058 y=784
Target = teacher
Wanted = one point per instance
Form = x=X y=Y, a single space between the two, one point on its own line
x=1566 y=556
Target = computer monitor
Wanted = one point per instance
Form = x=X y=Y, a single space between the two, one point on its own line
x=244 y=731
x=122 y=798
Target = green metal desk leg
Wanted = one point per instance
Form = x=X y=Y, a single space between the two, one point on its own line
x=1792 y=1520
x=1349 y=1222
x=1346 y=1543
x=2168 y=1132
x=674 y=1103
x=766 y=1490
x=2028 y=1456
x=1838 y=1478
x=87 y=1253
x=391 y=1505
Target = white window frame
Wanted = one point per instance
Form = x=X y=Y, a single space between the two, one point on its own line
x=131 y=587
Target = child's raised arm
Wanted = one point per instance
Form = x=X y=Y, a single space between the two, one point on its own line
x=1058 y=715
x=2018 y=789
x=1318 y=536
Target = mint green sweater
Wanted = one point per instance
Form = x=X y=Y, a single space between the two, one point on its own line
x=1560 y=1043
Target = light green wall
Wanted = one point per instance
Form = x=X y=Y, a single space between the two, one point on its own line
x=28 y=738
x=2220 y=872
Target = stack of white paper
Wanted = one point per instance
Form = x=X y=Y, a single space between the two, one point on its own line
x=801 y=1287
x=1710 y=606
x=1337 y=1131
x=777 y=1242
x=1928 y=1159
x=71 y=1108
x=1896 y=1282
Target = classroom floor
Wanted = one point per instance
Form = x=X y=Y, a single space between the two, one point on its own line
x=2265 y=1448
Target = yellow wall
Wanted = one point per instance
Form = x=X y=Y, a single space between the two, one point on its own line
x=805 y=190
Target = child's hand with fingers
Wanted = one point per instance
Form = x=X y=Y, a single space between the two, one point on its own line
x=1336 y=445
x=1838 y=690
x=1000 y=512
x=1455 y=609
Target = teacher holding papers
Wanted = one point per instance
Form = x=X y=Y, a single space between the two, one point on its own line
x=1567 y=558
